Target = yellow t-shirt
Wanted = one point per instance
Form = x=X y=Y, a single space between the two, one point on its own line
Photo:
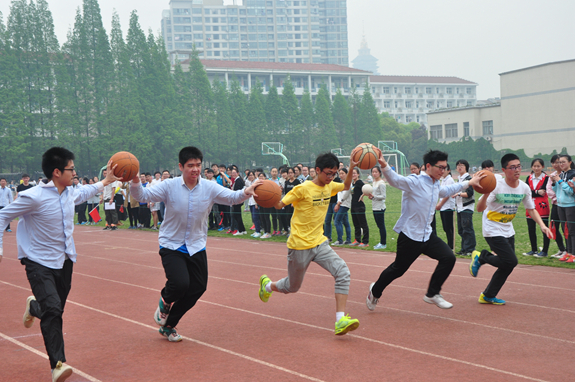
x=310 y=206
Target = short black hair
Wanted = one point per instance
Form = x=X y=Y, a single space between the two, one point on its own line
x=343 y=169
x=157 y=172
x=508 y=158
x=222 y=165
x=3 y=178
x=166 y=171
x=463 y=162
x=85 y=179
x=189 y=152
x=487 y=163
x=434 y=156
x=210 y=171
x=148 y=174
x=541 y=162
x=259 y=169
x=555 y=157
x=27 y=176
x=54 y=158
x=326 y=160
x=415 y=164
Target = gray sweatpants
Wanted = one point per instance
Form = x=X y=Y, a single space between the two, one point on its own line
x=325 y=257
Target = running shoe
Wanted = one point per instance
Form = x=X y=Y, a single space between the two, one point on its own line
x=380 y=246
x=571 y=259
x=162 y=312
x=238 y=233
x=439 y=301
x=371 y=301
x=363 y=245
x=565 y=257
x=347 y=242
x=264 y=294
x=558 y=255
x=253 y=227
x=337 y=243
x=61 y=372
x=541 y=254
x=345 y=324
x=265 y=236
x=8 y=230
x=355 y=242
x=490 y=300
x=220 y=229
x=170 y=333
x=256 y=234
x=28 y=319
x=474 y=265
x=530 y=253
x=106 y=228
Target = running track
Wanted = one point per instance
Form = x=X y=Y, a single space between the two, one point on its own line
x=230 y=335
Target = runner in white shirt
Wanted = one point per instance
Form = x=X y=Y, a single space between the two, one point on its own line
x=501 y=206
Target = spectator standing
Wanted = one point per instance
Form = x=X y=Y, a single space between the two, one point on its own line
x=358 y=211
x=155 y=207
x=341 y=208
x=446 y=207
x=109 y=205
x=537 y=182
x=25 y=185
x=93 y=202
x=237 y=208
x=378 y=206
x=465 y=204
x=555 y=209
x=275 y=213
x=329 y=216
x=290 y=183
x=144 y=212
x=566 y=203
x=5 y=198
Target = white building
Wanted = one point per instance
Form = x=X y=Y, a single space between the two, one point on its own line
x=536 y=112
x=303 y=76
x=410 y=98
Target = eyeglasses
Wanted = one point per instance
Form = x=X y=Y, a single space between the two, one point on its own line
x=330 y=175
x=514 y=168
x=442 y=168
x=70 y=169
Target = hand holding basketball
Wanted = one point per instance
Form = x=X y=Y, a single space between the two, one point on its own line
x=365 y=155
x=125 y=165
x=267 y=194
x=483 y=182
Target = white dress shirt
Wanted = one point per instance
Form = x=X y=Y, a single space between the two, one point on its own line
x=186 y=216
x=47 y=222
x=5 y=196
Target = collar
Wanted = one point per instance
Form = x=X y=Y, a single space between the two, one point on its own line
x=47 y=184
x=464 y=175
x=184 y=183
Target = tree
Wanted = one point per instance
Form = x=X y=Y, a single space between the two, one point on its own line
x=225 y=133
x=244 y=132
x=291 y=117
x=342 y=122
x=304 y=135
x=274 y=116
x=368 y=120
x=256 y=122
x=324 y=136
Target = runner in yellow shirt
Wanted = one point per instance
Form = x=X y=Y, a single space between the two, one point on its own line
x=307 y=242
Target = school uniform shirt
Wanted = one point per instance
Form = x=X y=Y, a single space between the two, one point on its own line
x=462 y=203
x=186 y=217
x=46 y=222
x=5 y=196
x=378 y=201
x=450 y=204
x=502 y=207
x=310 y=203
x=418 y=201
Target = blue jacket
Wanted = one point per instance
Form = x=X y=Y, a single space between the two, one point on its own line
x=564 y=192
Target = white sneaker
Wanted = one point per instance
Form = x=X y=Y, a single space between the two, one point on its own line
x=558 y=254
x=371 y=301
x=439 y=301
x=240 y=233
x=380 y=246
x=256 y=234
x=28 y=319
x=61 y=372
x=265 y=236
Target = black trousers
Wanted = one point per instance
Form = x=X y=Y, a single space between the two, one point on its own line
x=447 y=222
x=466 y=231
x=133 y=213
x=51 y=288
x=275 y=218
x=227 y=221
x=504 y=261
x=407 y=252
x=82 y=212
x=360 y=224
x=264 y=216
x=237 y=215
x=187 y=280
x=558 y=226
x=532 y=229
x=144 y=215
x=567 y=218
x=379 y=217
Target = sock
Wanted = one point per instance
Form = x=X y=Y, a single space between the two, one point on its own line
x=269 y=287
x=338 y=316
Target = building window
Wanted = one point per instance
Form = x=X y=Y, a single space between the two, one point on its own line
x=427 y=90
x=408 y=104
x=487 y=127
x=416 y=90
x=386 y=90
x=449 y=90
x=407 y=90
x=449 y=103
x=387 y=104
x=465 y=129
x=436 y=132
x=430 y=105
x=395 y=89
x=468 y=90
x=451 y=130
x=437 y=90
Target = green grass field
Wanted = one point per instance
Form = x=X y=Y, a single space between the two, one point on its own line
x=393 y=209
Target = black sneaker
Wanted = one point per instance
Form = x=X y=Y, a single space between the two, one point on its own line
x=106 y=228
x=114 y=228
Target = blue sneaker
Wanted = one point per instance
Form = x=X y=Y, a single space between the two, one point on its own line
x=475 y=264
x=220 y=229
x=171 y=334
x=82 y=223
x=490 y=300
x=8 y=230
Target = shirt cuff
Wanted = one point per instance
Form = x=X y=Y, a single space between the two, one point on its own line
x=100 y=186
x=464 y=185
x=386 y=168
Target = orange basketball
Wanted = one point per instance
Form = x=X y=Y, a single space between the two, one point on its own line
x=366 y=155
x=128 y=165
x=488 y=183
x=269 y=194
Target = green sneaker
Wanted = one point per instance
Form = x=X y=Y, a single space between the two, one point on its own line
x=264 y=294
x=345 y=324
x=170 y=333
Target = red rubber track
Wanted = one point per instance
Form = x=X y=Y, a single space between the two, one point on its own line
x=230 y=335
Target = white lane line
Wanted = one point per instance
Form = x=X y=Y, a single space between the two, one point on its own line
x=39 y=353
x=155 y=328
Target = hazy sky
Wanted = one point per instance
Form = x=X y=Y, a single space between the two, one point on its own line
x=474 y=40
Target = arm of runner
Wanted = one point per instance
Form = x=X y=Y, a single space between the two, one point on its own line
x=482 y=203
x=535 y=216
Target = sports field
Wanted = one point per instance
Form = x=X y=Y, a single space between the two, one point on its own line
x=232 y=336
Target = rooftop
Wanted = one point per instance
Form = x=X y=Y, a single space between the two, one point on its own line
x=277 y=66
x=537 y=66
x=419 y=80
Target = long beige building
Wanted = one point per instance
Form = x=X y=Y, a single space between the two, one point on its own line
x=536 y=112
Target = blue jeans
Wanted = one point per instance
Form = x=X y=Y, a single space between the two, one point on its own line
x=328 y=219
x=255 y=217
x=342 y=219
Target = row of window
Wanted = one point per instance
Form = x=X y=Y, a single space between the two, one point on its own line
x=250 y=20
x=428 y=90
x=246 y=11
x=451 y=131
x=428 y=104
x=235 y=28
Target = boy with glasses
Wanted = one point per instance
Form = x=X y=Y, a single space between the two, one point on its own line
x=307 y=243
x=46 y=246
x=420 y=195
x=501 y=207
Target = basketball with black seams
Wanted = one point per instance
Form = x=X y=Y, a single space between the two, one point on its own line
x=268 y=194
x=366 y=155
x=488 y=183
x=128 y=165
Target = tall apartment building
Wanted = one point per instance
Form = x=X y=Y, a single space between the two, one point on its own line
x=293 y=31
x=409 y=98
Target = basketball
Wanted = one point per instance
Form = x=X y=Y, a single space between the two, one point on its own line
x=366 y=155
x=128 y=165
x=488 y=183
x=269 y=194
x=367 y=189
